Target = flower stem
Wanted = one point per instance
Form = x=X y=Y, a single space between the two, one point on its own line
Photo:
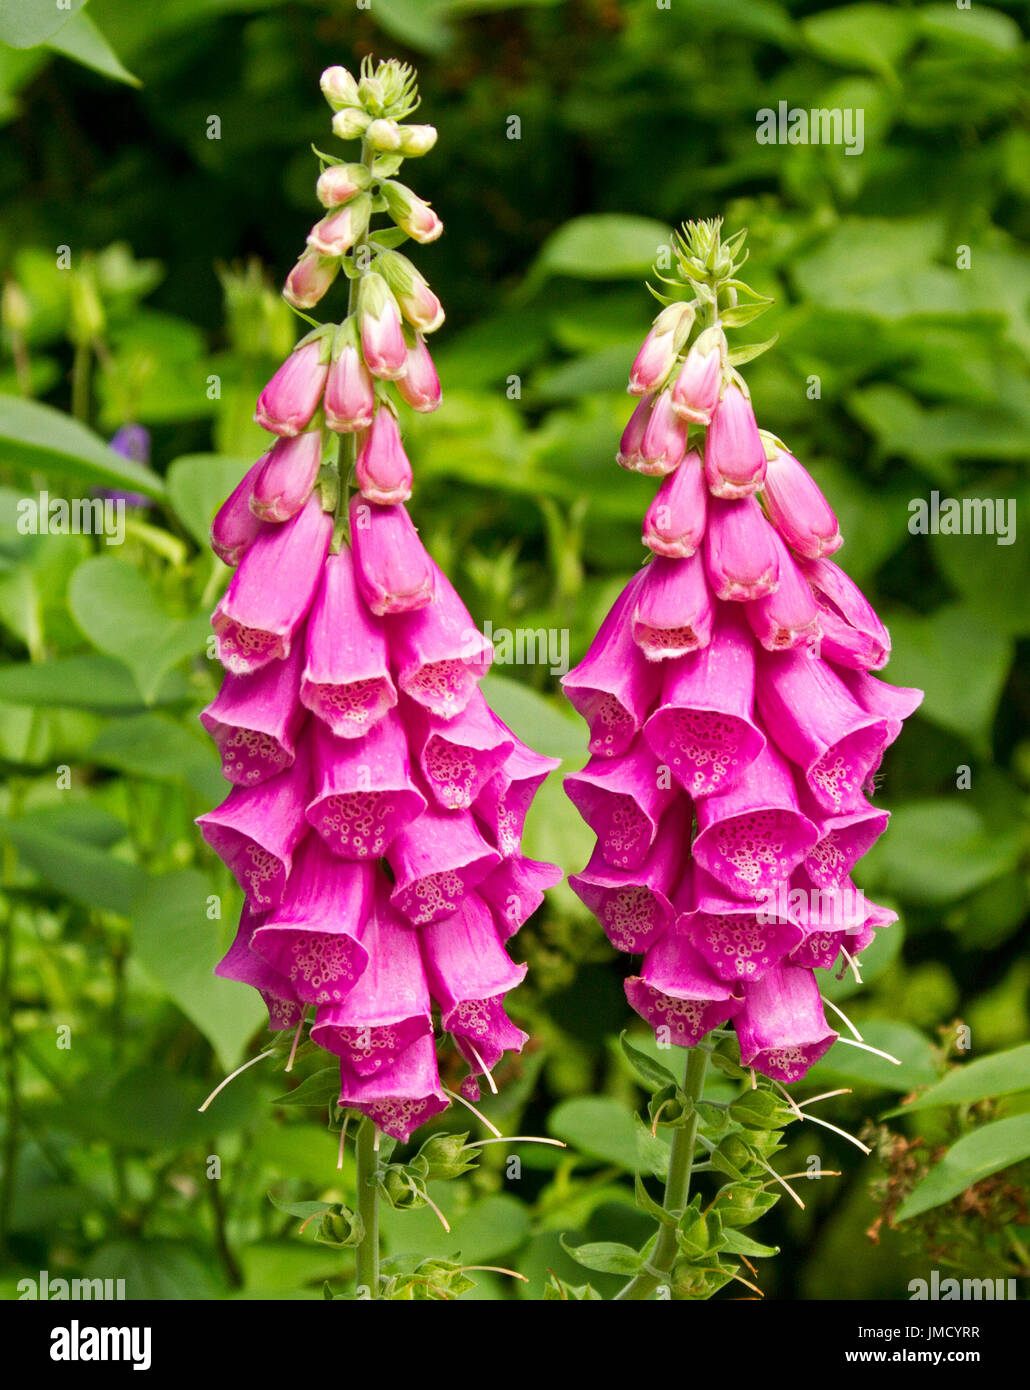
x=677 y=1187
x=368 y=1208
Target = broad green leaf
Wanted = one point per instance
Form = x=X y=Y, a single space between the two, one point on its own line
x=198 y=484
x=26 y=23
x=938 y=850
x=82 y=41
x=867 y=36
x=601 y=246
x=490 y=1229
x=1001 y=1074
x=855 y=1067
x=541 y=722
x=154 y=746
x=974 y=1157
x=603 y=1128
x=155 y=1269
x=606 y=1256
x=179 y=947
x=38 y=437
x=75 y=868
x=120 y=613
x=321 y=1088
x=80 y=682
x=978 y=25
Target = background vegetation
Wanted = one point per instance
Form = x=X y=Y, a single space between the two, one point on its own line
x=896 y=373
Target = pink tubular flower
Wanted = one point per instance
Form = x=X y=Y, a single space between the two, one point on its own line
x=740 y=554
x=382 y=468
x=364 y=793
x=788 y=616
x=256 y=829
x=437 y=860
x=664 y=441
x=310 y=279
x=695 y=392
x=350 y=399
x=255 y=720
x=677 y=994
x=503 y=803
x=394 y=573
x=382 y=337
x=246 y=967
x=613 y=687
x=702 y=727
x=268 y=599
x=339 y=183
x=458 y=756
x=411 y=213
x=439 y=655
x=515 y=889
x=346 y=679
x=658 y=353
x=291 y=398
x=798 y=509
x=420 y=385
x=313 y=937
x=288 y=477
x=851 y=633
x=340 y=229
x=782 y=1028
x=629 y=455
x=673 y=613
x=235 y=527
x=622 y=800
x=404 y=1094
x=674 y=523
x=738 y=941
x=734 y=453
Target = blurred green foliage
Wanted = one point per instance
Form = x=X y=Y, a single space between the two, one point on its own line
x=902 y=280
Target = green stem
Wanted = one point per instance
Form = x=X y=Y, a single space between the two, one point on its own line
x=80 y=382
x=12 y=1136
x=368 y=1208
x=677 y=1187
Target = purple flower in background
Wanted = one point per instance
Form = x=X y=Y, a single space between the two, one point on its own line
x=735 y=726
x=131 y=442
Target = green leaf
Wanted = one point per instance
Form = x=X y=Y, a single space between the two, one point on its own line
x=939 y=850
x=1001 y=1074
x=154 y=746
x=198 y=484
x=120 y=613
x=38 y=437
x=82 y=873
x=601 y=246
x=302 y=1210
x=975 y=1156
x=606 y=1256
x=320 y=1088
x=539 y=721
x=80 y=682
x=652 y=1073
x=736 y=1243
x=27 y=23
x=82 y=41
x=864 y=1069
x=178 y=946
x=604 y=1129
x=873 y=37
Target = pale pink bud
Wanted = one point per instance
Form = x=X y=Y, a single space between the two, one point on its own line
x=798 y=509
x=411 y=213
x=288 y=477
x=633 y=435
x=382 y=468
x=309 y=280
x=420 y=385
x=674 y=523
x=235 y=526
x=382 y=337
x=351 y=122
x=734 y=453
x=695 y=392
x=339 y=88
x=339 y=183
x=665 y=439
x=339 y=230
x=417 y=139
x=418 y=303
x=659 y=349
x=288 y=402
x=349 y=393
x=384 y=135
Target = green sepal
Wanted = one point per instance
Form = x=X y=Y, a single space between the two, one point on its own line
x=648 y=1203
x=389 y=237
x=652 y=1073
x=328 y=158
x=761 y=1110
x=736 y=1243
x=739 y=355
x=340 y=1227
x=386 y=165
x=715 y=1119
x=303 y=1211
x=446 y=1156
x=328 y=485
x=402 y=1186
x=744 y=1202
x=670 y=1108
x=605 y=1256
x=691 y=1283
x=558 y=1291
x=699 y=1234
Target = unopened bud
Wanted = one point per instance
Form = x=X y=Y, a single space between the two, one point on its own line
x=339 y=88
x=351 y=122
x=417 y=139
x=340 y=182
x=384 y=135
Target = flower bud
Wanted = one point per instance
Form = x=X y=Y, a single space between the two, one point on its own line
x=411 y=213
x=382 y=337
x=382 y=468
x=665 y=439
x=339 y=230
x=340 y=182
x=393 y=571
x=351 y=122
x=674 y=523
x=310 y=279
x=384 y=135
x=660 y=348
x=740 y=551
x=288 y=477
x=417 y=139
x=420 y=385
x=288 y=402
x=418 y=303
x=371 y=93
x=788 y=617
x=734 y=453
x=695 y=392
x=235 y=526
x=349 y=400
x=339 y=88
x=633 y=435
x=797 y=508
